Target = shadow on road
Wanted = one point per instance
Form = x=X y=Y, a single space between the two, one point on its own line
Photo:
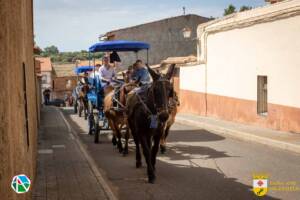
x=196 y=135
x=184 y=172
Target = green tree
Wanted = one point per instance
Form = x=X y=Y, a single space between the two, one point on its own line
x=51 y=50
x=244 y=8
x=229 y=10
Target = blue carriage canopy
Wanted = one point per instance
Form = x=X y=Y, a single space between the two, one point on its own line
x=119 y=45
x=83 y=69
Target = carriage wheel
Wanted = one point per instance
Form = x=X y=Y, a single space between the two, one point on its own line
x=91 y=121
x=79 y=109
x=97 y=128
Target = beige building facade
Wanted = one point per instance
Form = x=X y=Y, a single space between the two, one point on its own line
x=18 y=102
x=248 y=68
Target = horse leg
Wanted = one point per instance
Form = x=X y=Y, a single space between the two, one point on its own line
x=125 y=151
x=112 y=126
x=163 y=148
x=154 y=149
x=145 y=141
x=114 y=140
x=138 y=157
x=119 y=136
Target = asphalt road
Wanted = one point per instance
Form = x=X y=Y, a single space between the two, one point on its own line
x=198 y=165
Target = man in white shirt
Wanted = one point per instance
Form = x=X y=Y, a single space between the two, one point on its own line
x=106 y=72
x=96 y=71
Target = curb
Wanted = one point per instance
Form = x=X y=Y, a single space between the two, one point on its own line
x=240 y=135
x=107 y=190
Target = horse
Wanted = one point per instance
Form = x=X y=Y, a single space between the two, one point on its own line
x=117 y=118
x=82 y=100
x=173 y=104
x=147 y=113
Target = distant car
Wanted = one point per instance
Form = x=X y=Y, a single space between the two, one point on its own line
x=57 y=102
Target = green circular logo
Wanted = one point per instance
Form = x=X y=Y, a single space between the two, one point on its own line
x=20 y=183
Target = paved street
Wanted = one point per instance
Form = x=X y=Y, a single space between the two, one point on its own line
x=198 y=165
x=62 y=172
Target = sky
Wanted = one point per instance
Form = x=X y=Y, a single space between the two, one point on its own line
x=74 y=25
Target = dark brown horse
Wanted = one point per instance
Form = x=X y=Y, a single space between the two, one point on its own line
x=147 y=112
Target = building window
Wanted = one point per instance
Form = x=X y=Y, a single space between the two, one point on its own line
x=262 y=95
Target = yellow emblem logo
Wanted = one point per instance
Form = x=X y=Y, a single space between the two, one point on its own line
x=260 y=185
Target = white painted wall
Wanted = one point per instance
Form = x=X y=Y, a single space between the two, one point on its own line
x=236 y=57
x=192 y=78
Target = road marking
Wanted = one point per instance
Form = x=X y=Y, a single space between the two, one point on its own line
x=58 y=146
x=45 y=151
x=110 y=195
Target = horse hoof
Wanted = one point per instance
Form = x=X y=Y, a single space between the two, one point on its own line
x=138 y=164
x=163 y=149
x=114 y=141
x=125 y=152
x=151 y=179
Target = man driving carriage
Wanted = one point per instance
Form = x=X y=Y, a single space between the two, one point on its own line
x=140 y=74
x=138 y=77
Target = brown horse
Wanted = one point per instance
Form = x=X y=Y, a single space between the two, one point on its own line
x=173 y=104
x=117 y=121
x=148 y=112
x=82 y=101
x=116 y=117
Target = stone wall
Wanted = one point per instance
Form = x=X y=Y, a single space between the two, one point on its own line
x=18 y=128
x=164 y=36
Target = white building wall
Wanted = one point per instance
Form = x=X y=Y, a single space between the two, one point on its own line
x=237 y=56
x=193 y=78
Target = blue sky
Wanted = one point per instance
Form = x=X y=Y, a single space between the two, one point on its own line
x=73 y=25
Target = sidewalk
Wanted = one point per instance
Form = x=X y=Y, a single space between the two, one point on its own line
x=64 y=170
x=278 y=139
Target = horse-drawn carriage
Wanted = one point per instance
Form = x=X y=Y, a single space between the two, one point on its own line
x=80 y=91
x=148 y=112
x=97 y=120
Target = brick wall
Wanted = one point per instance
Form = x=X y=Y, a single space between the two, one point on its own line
x=17 y=138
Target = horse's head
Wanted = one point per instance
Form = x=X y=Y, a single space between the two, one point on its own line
x=161 y=90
